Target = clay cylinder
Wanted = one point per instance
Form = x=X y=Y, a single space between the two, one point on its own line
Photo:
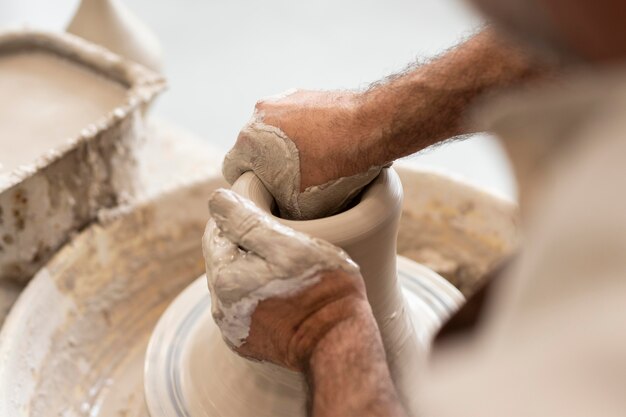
x=367 y=232
x=190 y=371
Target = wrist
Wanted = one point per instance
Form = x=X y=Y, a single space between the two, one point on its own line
x=348 y=374
x=337 y=319
x=357 y=329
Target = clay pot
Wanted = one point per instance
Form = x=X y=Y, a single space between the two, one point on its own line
x=207 y=379
x=368 y=233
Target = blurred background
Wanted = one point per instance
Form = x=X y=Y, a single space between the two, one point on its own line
x=221 y=56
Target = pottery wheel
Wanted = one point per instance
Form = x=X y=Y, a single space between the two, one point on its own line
x=74 y=343
x=183 y=379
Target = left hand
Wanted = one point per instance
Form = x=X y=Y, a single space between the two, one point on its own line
x=313 y=151
x=276 y=292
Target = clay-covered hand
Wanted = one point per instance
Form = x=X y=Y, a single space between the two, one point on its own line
x=313 y=151
x=275 y=292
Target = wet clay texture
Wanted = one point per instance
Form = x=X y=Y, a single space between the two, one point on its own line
x=72 y=120
x=86 y=318
x=47 y=100
x=77 y=335
x=367 y=233
x=456 y=229
x=276 y=262
x=170 y=159
x=273 y=157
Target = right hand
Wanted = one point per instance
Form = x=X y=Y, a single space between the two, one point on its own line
x=332 y=140
x=276 y=292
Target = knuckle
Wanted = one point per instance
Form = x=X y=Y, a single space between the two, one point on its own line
x=243 y=138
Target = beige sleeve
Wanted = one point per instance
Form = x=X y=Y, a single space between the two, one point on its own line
x=555 y=342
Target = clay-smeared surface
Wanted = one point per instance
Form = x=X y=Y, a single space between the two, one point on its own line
x=276 y=262
x=191 y=372
x=457 y=230
x=64 y=184
x=47 y=100
x=274 y=158
x=85 y=322
x=367 y=232
x=120 y=275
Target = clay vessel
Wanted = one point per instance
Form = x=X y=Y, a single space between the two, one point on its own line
x=203 y=377
x=368 y=233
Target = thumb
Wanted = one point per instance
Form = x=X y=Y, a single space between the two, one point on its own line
x=249 y=227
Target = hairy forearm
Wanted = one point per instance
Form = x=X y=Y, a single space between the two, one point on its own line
x=348 y=373
x=429 y=103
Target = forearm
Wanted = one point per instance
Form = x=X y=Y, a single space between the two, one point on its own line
x=430 y=103
x=348 y=373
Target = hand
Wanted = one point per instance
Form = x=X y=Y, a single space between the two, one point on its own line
x=326 y=128
x=304 y=139
x=287 y=330
x=276 y=292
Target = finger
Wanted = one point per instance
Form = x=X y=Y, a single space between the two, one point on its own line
x=235 y=216
x=235 y=281
x=257 y=149
x=257 y=116
x=246 y=225
x=231 y=272
x=238 y=160
x=217 y=249
x=256 y=231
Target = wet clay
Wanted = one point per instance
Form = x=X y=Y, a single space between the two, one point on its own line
x=122 y=273
x=273 y=157
x=71 y=123
x=251 y=257
x=200 y=376
x=367 y=233
x=47 y=100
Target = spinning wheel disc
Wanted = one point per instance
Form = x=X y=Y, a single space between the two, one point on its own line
x=189 y=371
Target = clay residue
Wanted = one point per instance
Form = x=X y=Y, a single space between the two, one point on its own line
x=141 y=85
x=75 y=119
x=438 y=240
x=122 y=274
x=9 y=292
x=43 y=211
x=276 y=261
x=457 y=229
x=274 y=158
x=47 y=100
x=119 y=278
